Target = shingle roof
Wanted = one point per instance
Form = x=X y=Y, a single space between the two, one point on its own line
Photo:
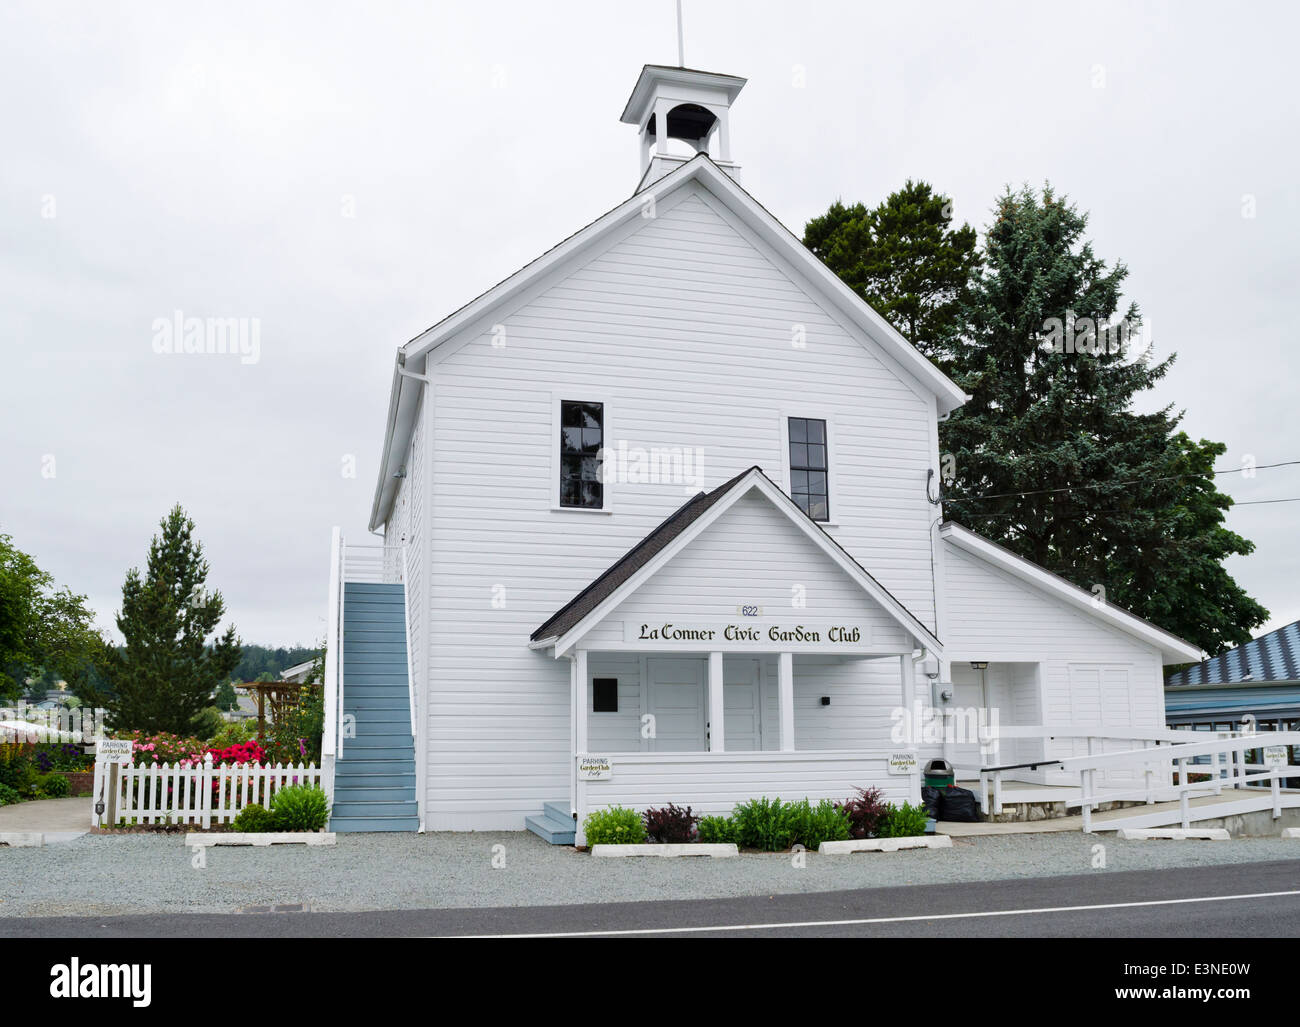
x=633 y=560
x=1271 y=657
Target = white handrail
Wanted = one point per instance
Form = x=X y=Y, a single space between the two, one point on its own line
x=1154 y=760
x=332 y=698
x=1158 y=759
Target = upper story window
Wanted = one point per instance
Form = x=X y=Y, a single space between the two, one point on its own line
x=582 y=435
x=808 y=467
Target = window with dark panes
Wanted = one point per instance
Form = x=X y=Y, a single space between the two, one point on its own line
x=808 y=468
x=604 y=695
x=582 y=431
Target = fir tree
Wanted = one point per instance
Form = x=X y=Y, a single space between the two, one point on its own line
x=906 y=259
x=1051 y=458
x=166 y=672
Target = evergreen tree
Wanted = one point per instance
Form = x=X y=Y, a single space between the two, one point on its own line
x=906 y=259
x=1051 y=459
x=225 y=697
x=166 y=672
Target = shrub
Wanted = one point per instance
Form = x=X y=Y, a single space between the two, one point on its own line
x=254 y=819
x=766 y=824
x=207 y=722
x=66 y=756
x=300 y=808
x=16 y=765
x=669 y=825
x=865 y=811
x=717 y=829
x=8 y=796
x=239 y=754
x=162 y=747
x=614 y=826
x=235 y=733
x=53 y=786
x=905 y=821
x=825 y=822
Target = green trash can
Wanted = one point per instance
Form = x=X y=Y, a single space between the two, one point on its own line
x=938 y=773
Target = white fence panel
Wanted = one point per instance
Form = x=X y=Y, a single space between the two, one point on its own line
x=200 y=794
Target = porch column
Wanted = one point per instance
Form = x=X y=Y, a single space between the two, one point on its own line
x=908 y=676
x=717 y=741
x=785 y=699
x=580 y=702
x=579 y=737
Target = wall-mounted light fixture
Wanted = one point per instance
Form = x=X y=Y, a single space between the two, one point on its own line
x=979 y=664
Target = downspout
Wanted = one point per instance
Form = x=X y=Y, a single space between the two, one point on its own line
x=426 y=585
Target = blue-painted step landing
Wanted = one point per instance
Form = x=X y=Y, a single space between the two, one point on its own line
x=555 y=823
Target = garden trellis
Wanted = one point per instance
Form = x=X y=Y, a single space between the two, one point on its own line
x=192 y=793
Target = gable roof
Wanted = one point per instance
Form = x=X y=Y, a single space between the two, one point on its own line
x=1172 y=648
x=413 y=357
x=1274 y=656
x=626 y=574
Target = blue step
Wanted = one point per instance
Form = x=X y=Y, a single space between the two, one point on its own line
x=556 y=832
x=367 y=762
x=387 y=746
x=347 y=809
x=358 y=790
x=558 y=810
x=347 y=825
x=374 y=782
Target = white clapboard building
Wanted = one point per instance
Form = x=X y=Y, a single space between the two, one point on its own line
x=660 y=525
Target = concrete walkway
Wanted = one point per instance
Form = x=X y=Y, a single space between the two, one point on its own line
x=44 y=821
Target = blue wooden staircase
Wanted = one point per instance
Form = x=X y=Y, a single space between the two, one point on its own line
x=374 y=781
x=554 y=823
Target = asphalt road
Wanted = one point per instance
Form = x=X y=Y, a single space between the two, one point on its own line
x=1256 y=900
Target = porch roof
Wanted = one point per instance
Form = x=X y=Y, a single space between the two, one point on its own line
x=674 y=533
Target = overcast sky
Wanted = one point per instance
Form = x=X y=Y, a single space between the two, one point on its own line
x=349 y=173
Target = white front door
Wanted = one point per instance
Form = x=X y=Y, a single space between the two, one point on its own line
x=742 y=704
x=969 y=698
x=677 y=702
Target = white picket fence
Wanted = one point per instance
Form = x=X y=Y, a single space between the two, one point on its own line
x=171 y=794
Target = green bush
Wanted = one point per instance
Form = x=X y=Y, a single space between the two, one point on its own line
x=825 y=822
x=237 y=732
x=767 y=824
x=614 y=826
x=53 y=786
x=8 y=796
x=207 y=722
x=905 y=821
x=716 y=829
x=300 y=808
x=254 y=819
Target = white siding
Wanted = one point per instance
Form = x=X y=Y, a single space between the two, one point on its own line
x=684 y=326
x=993 y=616
x=754 y=555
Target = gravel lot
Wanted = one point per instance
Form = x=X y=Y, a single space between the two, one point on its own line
x=98 y=875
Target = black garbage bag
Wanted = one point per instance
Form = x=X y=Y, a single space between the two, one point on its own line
x=932 y=799
x=958 y=805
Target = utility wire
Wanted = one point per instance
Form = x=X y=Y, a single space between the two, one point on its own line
x=1120 y=484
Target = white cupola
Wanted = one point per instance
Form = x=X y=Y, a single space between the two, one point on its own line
x=692 y=107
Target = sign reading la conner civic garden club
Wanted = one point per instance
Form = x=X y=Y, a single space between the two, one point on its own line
x=767 y=636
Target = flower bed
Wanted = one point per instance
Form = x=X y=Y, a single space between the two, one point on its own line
x=761 y=825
